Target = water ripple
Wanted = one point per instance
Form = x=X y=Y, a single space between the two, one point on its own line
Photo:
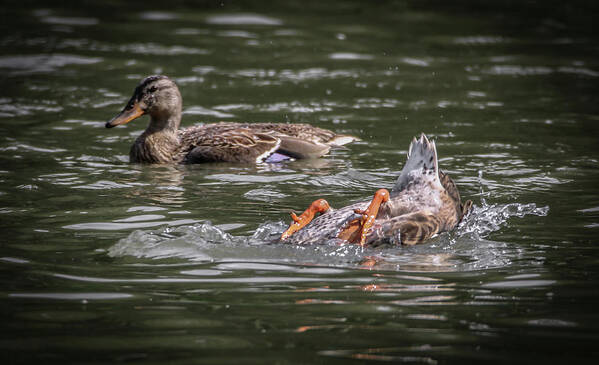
x=29 y=148
x=350 y=56
x=242 y=19
x=69 y=20
x=480 y=40
x=199 y=110
x=510 y=284
x=349 y=179
x=140 y=218
x=236 y=280
x=416 y=61
x=105 y=184
x=516 y=70
x=236 y=34
x=146 y=48
x=407 y=354
x=263 y=194
x=160 y=50
x=108 y=226
x=72 y=296
x=14 y=260
x=157 y=15
x=43 y=63
x=248 y=178
x=316 y=73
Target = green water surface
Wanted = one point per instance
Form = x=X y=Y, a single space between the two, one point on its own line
x=102 y=261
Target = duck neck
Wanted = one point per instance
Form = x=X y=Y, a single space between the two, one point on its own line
x=159 y=142
x=168 y=121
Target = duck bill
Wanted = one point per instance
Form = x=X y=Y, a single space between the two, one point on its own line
x=126 y=116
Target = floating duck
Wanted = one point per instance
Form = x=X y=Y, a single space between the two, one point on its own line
x=164 y=142
x=424 y=202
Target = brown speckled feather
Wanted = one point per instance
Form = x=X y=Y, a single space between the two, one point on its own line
x=229 y=145
x=246 y=142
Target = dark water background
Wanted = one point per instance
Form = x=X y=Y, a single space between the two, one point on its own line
x=102 y=261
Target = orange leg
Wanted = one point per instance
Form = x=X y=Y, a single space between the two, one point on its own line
x=317 y=206
x=349 y=233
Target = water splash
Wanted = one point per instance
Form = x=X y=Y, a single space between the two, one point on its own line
x=184 y=242
x=488 y=218
x=464 y=249
x=207 y=242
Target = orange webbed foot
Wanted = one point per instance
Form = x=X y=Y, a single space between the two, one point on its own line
x=317 y=206
x=366 y=221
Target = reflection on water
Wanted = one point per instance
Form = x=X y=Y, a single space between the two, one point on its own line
x=164 y=185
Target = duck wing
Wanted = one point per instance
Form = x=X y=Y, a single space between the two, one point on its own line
x=310 y=133
x=300 y=148
x=452 y=191
x=255 y=142
x=230 y=144
x=303 y=140
x=302 y=131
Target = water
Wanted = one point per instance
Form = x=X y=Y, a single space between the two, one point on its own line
x=103 y=261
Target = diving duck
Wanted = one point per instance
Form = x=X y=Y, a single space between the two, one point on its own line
x=164 y=142
x=423 y=202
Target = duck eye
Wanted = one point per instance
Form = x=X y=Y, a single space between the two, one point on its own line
x=152 y=89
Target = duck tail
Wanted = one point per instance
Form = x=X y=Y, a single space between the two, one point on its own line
x=422 y=161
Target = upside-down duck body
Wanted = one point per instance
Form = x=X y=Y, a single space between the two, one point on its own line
x=423 y=202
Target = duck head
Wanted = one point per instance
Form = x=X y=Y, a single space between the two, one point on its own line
x=157 y=96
